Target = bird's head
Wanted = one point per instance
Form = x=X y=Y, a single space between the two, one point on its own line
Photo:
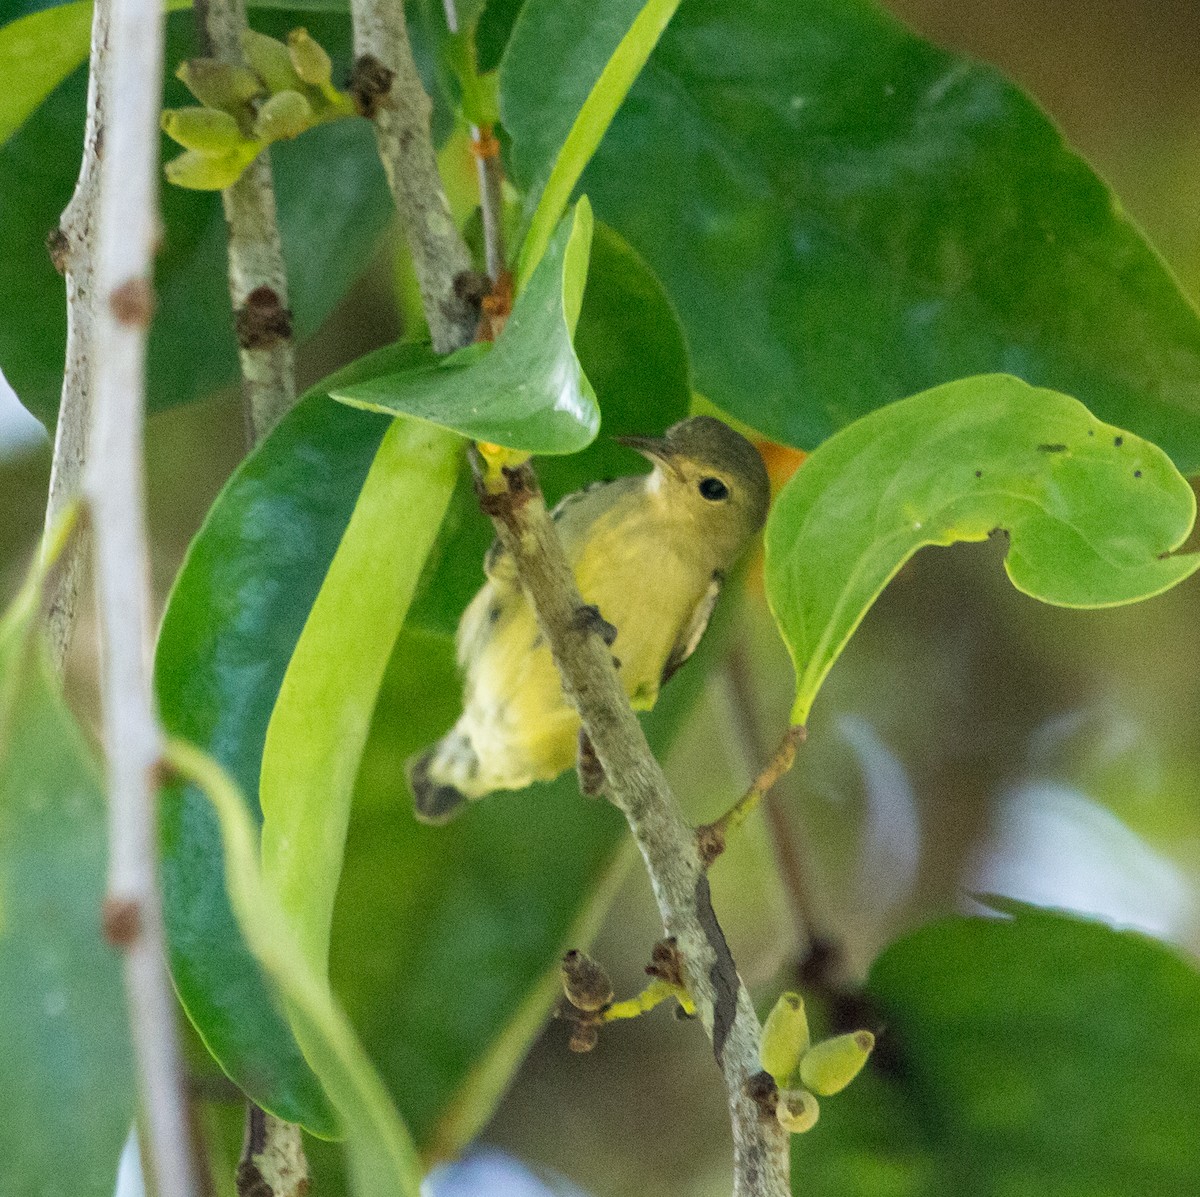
x=713 y=477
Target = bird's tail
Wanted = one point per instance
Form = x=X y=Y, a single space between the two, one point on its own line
x=438 y=776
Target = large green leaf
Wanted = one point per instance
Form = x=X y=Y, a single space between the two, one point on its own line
x=329 y=220
x=845 y=215
x=525 y=391
x=1093 y=512
x=64 y=1037
x=37 y=52
x=233 y=620
x=631 y=349
x=320 y=720
x=557 y=117
x=1061 y=1061
x=381 y=1157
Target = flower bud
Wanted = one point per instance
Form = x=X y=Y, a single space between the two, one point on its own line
x=271 y=60
x=309 y=59
x=797 y=1110
x=210 y=172
x=219 y=85
x=209 y=130
x=785 y=1037
x=284 y=115
x=830 y=1066
x=584 y=982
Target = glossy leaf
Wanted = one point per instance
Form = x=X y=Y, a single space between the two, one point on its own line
x=320 y=720
x=557 y=117
x=233 y=620
x=37 y=52
x=330 y=221
x=382 y=1160
x=64 y=1037
x=1092 y=511
x=1057 y=1063
x=527 y=390
x=845 y=215
x=631 y=348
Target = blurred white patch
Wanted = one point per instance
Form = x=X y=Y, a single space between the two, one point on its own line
x=129 y=1170
x=491 y=1173
x=1053 y=846
x=891 y=840
x=18 y=429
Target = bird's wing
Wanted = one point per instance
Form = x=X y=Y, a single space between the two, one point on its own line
x=689 y=637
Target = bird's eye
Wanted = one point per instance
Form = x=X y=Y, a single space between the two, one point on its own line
x=714 y=489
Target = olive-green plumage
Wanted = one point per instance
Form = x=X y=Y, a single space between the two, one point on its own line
x=650 y=552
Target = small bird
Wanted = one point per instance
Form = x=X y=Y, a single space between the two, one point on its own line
x=650 y=553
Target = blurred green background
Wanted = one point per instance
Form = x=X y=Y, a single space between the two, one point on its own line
x=969 y=741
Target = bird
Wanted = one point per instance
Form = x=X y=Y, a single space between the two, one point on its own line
x=650 y=553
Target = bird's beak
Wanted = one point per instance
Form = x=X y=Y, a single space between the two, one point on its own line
x=655 y=448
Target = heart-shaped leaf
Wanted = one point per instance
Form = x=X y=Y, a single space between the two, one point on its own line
x=1093 y=512
x=526 y=391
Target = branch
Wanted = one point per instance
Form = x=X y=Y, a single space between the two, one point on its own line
x=387 y=89
x=637 y=785
x=272 y=1150
x=257 y=275
x=72 y=250
x=127 y=230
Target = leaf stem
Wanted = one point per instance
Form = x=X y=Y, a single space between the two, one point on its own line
x=638 y=787
x=714 y=836
x=126 y=226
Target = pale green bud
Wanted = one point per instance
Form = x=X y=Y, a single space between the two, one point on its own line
x=284 y=115
x=219 y=85
x=209 y=130
x=210 y=172
x=309 y=59
x=271 y=60
x=797 y=1110
x=785 y=1037
x=830 y=1066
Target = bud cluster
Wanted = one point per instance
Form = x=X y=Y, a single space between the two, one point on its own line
x=804 y=1070
x=284 y=90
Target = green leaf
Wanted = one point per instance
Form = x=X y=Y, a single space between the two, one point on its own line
x=319 y=724
x=1058 y=1062
x=330 y=221
x=528 y=390
x=557 y=117
x=845 y=214
x=382 y=1159
x=1092 y=511
x=64 y=1037
x=37 y=53
x=631 y=348
x=234 y=618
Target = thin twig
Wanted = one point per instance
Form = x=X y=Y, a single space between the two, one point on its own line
x=786 y=843
x=273 y=1160
x=127 y=225
x=387 y=88
x=257 y=275
x=71 y=247
x=714 y=836
x=637 y=785
x=490 y=172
